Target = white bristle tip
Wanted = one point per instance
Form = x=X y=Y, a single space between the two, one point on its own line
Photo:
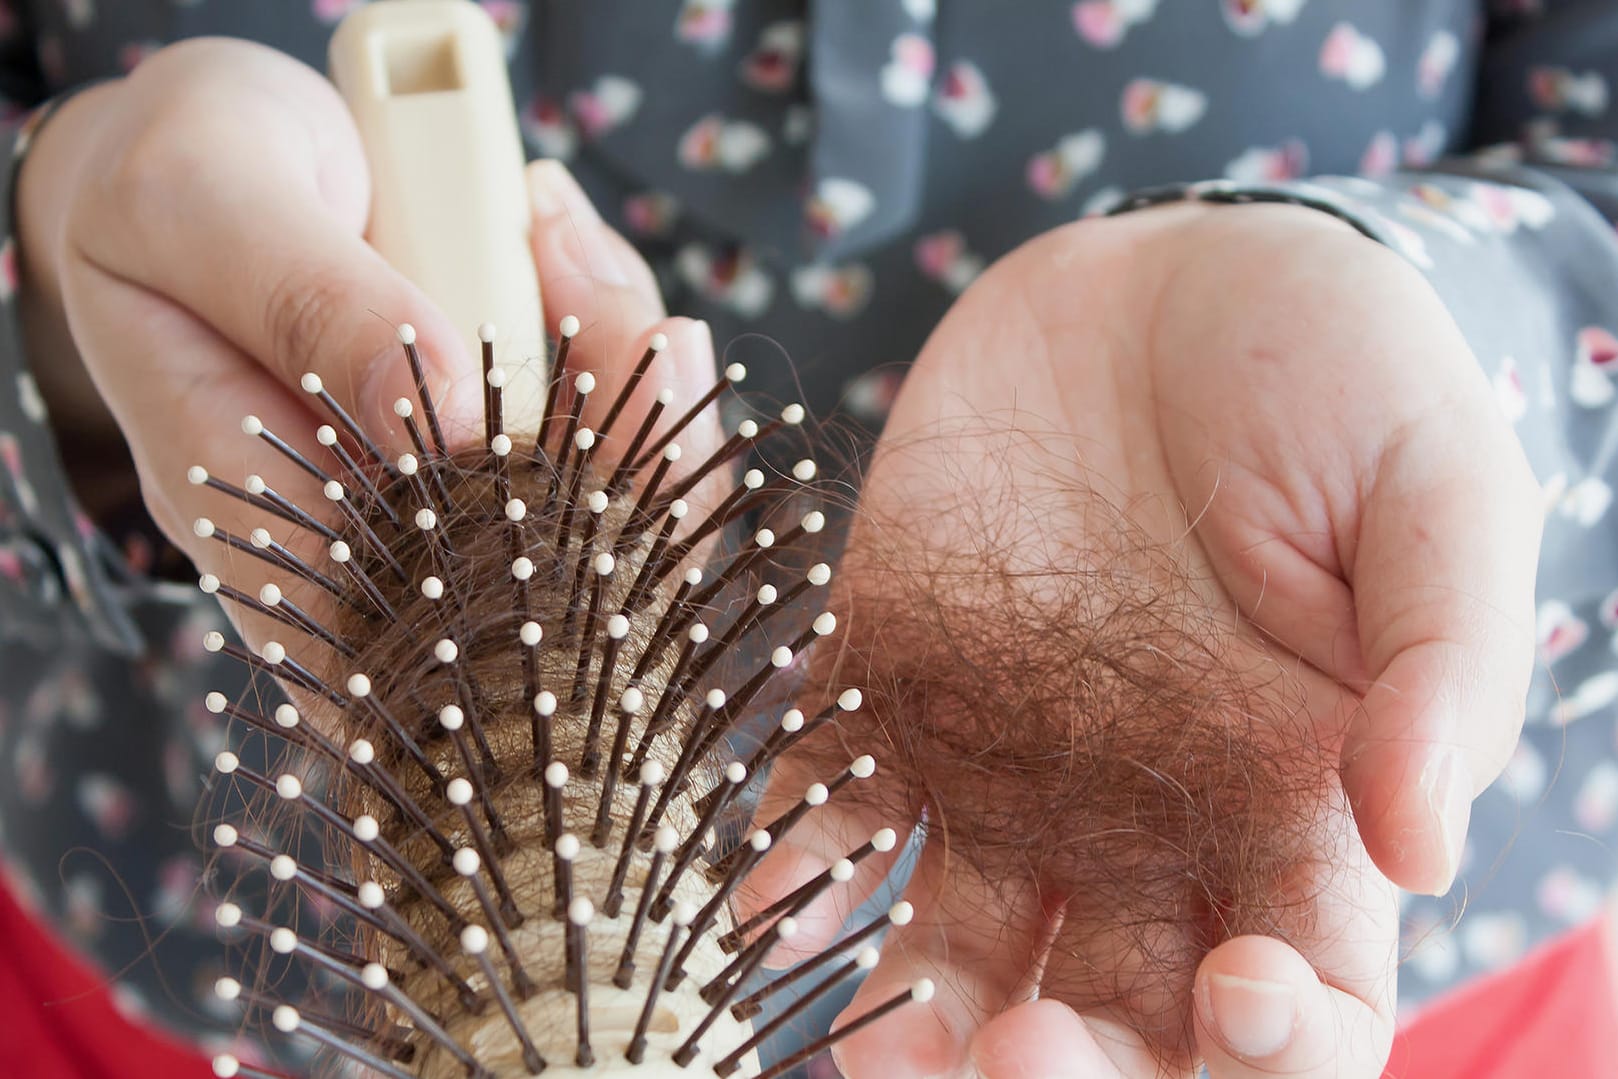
x=196 y=475
x=819 y=574
x=486 y=332
x=849 y=700
x=403 y=408
x=735 y=772
x=500 y=445
x=333 y=491
x=286 y=1018
x=792 y=720
x=523 y=568
x=747 y=429
x=584 y=438
x=289 y=786
x=764 y=538
x=260 y=538
x=407 y=334
x=407 y=462
x=901 y=912
x=813 y=521
x=225 y=762
x=359 y=685
x=735 y=372
x=605 y=563
x=426 y=520
x=864 y=767
x=580 y=911
x=679 y=508
x=326 y=435
x=555 y=774
x=922 y=992
x=685 y=912
x=227 y=988
x=213 y=641
x=459 y=792
x=270 y=595
x=597 y=501
x=842 y=871
x=224 y=835
x=697 y=634
x=753 y=479
x=226 y=1066
x=666 y=839
x=715 y=698
x=283 y=868
x=817 y=794
x=361 y=751
x=786 y=928
x=466 y=861
x=585 y=382
x=286 y=716
x=445 y=651
x=781 y=657
x=824 y=623
x=311 y=383
x=341 y=552
x=885 y=840
x=371 y=895
x=651 y=774
x=767 y=595
x=545 y=705
x=792 y=414
x=516 y=509
x=215 y=702
x=255 y=485
x=632 y=701
x=227 y=915
x=804 y=470
x=569 y=326
x=531 y=633
x=659 y=342
x=665 y=397
x=672 y=452
x=617 y=627
x=567 y=846
x=274 y=653
x=432 y=588
x=759 y=841
x=208 y=583
x=252 y=425
x=202 y=528
x=283 y=941
x=366 y=828
x=693 y=577
x=450 y=717
x=374 y=976
x=474 y=940
x=867 y=958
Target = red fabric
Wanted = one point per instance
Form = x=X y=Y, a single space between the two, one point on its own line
x=58 y=1019
x=1555 y=1013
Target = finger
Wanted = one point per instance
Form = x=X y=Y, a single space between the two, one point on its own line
x=179 y=392
x=977 y=941
x=265 y=240
x=1038 y=1040
x=1261 y=1011
x=1444 y=582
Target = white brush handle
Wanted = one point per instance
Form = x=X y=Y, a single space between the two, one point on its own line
x=426 y=82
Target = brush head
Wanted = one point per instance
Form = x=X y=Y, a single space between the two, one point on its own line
x=510 y=686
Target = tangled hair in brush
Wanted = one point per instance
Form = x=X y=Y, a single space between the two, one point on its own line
x=1067 y=716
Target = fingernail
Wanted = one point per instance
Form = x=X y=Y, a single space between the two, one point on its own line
x=578 y=238
x=1447 y=784
x=1254 y=1019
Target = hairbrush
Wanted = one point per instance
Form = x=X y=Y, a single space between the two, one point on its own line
x=501 y=783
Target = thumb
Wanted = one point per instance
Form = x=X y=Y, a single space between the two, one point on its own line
x=1443 y=582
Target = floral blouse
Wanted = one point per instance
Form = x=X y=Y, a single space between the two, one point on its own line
x=830 y=175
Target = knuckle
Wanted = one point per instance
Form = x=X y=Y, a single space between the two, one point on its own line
x=301 y=315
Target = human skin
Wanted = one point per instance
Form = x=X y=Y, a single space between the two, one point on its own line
x=198 y=229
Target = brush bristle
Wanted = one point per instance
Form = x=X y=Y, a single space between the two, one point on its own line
x=511 y=695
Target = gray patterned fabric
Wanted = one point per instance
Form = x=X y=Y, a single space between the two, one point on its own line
x=824 y=177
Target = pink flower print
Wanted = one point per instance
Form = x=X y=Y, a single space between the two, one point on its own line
x=1352 y=57
x=132 y=53
x=1560 y=631
x=35 y=779
x=1525 y=773
x=1598 y=347
x=1509 y=392
x=704 y=23
x=1567 y=896
x=1608 y=610
x=1436 y=62
x=964 y=101
x=508 y=16
x=908 y=73
x=1556 y=89
x=1054 y=173
x=108 y=804
x=1423 y=148
x=80 y=13
x=841 y=292
x=944 y=257
x=871 y=395
x=11 y=567
x=1595 y=806
x=1593 y=695
x=1149 y=105
x=607 y=105
x=330 y=11
x=731 y=278
x=1103 y=23
x=1270 y=165
x=1381 y=157
x=176 y=883
x=1250 y=17
x=651 y=213
x=81 y=900
x=8 y=270
x=1492 y=939
x=179 y=772
x=773 y=66
x=1586 y=501
x=716 y=143
x=837 y=206
x=1583 y=153
x=546 y=123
